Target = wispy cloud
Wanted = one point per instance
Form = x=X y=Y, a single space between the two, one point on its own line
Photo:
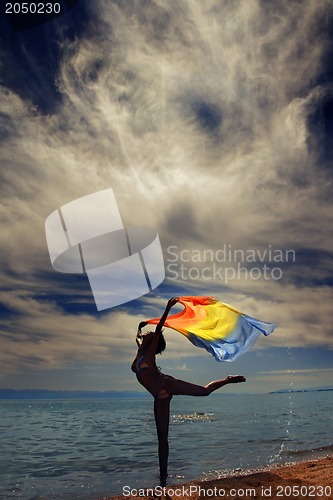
x=296 y=378
x=208 y=120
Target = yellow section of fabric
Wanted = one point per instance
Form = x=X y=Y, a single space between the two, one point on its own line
x=219 y=322
x=204 y=317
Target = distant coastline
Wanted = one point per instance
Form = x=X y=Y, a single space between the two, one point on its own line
x=59 y=394
x=6 y=393
x=310 y=389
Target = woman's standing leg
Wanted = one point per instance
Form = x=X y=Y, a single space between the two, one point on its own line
x=162 y=417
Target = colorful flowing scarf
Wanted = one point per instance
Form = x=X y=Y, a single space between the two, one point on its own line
x=219 y=328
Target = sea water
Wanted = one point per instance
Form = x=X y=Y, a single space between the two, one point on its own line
x=88 y=449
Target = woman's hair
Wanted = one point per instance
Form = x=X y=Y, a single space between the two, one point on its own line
x=161 y=344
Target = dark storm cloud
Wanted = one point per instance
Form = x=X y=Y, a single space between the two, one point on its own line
x=320 y=131
x=30 y=54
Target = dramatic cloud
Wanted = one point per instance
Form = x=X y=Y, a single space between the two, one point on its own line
x=211 y=121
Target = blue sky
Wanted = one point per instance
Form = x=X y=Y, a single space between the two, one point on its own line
x=212 y=123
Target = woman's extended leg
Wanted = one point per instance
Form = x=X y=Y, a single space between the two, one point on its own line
x=162 y=415
x=180 y=387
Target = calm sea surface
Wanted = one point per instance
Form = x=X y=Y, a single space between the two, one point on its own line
x=88 y=449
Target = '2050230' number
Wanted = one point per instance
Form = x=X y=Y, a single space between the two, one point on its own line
x=32 y=8
x=303 y=491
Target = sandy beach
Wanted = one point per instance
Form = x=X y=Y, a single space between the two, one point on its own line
x=311 y=479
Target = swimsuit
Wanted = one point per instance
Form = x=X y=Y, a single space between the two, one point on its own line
x=163 y=394
x=140 y=364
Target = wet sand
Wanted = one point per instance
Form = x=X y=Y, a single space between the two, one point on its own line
x=311 y=479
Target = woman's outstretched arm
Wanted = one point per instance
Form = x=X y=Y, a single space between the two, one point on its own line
x=138 y=338
x=153 y=338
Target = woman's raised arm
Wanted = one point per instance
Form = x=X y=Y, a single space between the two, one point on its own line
x=160 y=325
